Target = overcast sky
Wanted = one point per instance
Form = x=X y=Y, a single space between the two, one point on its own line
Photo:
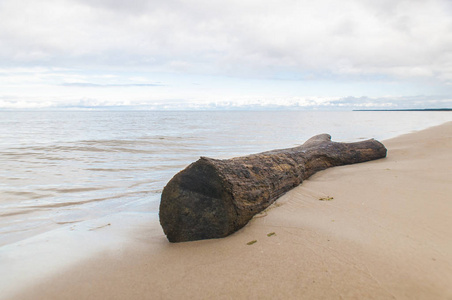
x=204 y=53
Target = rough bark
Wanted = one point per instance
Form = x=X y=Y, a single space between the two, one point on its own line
x=213 y=198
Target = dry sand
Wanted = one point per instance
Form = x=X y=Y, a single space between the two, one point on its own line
x=386 y=234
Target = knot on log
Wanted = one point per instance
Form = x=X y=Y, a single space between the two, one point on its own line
x=213 y=198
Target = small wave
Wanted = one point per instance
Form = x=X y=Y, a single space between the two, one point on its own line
x=109 y=170
x=82 y=202
x=73 y=190
x=64 y=204
x=18 y=212
x=28 y=195
x=112 y=143
x=17 y=153
x=143 y=182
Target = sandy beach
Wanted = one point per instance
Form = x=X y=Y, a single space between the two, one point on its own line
x=384 y=233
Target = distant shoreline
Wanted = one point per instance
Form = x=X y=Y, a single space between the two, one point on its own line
x=410 y=109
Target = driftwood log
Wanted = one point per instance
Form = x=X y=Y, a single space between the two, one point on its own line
x=213 y=198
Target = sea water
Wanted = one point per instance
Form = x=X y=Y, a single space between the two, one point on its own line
x=58 y=168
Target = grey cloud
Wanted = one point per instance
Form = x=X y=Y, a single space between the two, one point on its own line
x=400 y=39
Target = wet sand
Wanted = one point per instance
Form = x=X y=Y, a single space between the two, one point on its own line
x=384 y=233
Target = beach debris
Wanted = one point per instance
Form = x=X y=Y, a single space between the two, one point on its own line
x=252 y=242
x=99 y=227
x=327 y=198
x=213 y=198
x=271 y=234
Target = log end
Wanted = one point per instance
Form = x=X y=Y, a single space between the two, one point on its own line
x=196 y=204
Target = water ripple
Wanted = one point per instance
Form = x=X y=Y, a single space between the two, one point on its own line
x=65 y=167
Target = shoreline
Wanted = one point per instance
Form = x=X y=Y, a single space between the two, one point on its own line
x=385 y=234
x=407 y=109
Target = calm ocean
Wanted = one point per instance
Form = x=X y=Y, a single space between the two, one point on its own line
x=60 y=168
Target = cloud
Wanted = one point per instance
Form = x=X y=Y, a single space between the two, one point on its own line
x=240 y=38
x=88 y=84
x=292 y=53
x=239 y=103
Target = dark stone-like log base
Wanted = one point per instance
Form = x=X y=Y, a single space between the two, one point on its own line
x=213 y=198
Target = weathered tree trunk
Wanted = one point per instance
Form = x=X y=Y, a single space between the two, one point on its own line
x=213 y=198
